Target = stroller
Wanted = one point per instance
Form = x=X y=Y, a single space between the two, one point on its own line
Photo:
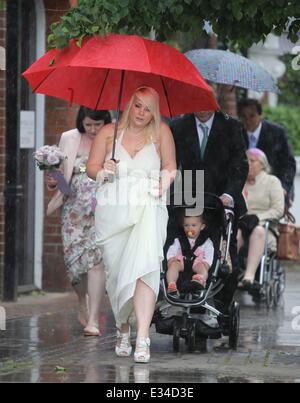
x=183 y=316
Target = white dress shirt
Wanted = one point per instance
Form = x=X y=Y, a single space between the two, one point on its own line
x=256 y=132
x=207 y=124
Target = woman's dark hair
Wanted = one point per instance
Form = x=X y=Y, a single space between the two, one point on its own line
x=92 y=114
x=249 y=103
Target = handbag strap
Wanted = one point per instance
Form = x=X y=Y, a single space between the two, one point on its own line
x=274 y=233
x=288 y=216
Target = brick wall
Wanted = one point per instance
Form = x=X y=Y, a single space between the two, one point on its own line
x=2 y=148
x=59 y=118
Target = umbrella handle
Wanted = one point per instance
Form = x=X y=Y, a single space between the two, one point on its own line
x=111 y=176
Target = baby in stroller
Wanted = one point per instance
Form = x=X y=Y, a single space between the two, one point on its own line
x=193 y=252
x=201 y=278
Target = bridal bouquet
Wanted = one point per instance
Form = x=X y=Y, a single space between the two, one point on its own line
x=49 y=158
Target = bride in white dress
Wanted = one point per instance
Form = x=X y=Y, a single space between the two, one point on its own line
x=131 y=214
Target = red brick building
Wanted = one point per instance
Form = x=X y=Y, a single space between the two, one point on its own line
x=30 y=243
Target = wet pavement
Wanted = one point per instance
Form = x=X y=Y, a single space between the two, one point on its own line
x=43 y=343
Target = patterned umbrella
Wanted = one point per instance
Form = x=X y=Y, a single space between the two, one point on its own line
x=224 y=67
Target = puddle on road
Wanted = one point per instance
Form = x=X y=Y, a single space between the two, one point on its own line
x=131 y=374
x=31 y=348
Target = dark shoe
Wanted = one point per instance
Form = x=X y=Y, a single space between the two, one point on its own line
x=256 y=289
x=245 y=285
x=255 y=286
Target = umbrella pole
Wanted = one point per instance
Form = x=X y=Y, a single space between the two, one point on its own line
x=166 y=94
x=118 y=116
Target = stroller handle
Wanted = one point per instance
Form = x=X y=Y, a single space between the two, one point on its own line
x=229 y=213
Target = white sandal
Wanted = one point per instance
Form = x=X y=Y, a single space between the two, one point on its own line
x=142 y=350
x=123 y=347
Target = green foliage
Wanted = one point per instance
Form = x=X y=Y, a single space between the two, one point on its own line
x=287 y=113
x=239 y=21
x=289 y=118
x=289 y=84
x=2 y=5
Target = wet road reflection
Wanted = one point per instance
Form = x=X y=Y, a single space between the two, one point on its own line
x=51 y=348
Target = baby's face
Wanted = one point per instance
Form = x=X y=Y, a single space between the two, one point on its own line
x=193 y=226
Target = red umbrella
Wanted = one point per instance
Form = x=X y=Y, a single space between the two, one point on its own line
x=105 y=71
x=91 y=75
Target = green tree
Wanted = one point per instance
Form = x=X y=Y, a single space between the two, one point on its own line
x=289 y=84
x=289 y=118
x=240 y=21
x=2 y=5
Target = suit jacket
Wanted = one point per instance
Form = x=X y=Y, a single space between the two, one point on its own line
x=274 y=143
x=225 y=162
x=69 y=144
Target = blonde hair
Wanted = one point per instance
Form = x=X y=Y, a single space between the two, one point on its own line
x=150 y=98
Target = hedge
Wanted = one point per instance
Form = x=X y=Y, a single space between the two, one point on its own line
x=289 y=118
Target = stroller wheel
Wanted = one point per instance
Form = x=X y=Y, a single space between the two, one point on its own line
x=276 y=293
x=176 y=339
x=269 y=295
x=282 y=278
x=191 y=337
x=234 y=325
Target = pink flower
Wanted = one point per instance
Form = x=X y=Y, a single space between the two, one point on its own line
x=48 y=156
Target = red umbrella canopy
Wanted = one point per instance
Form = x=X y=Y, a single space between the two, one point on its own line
x=90 y=75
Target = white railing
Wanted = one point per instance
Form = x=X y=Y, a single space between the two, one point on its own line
x=296 y=206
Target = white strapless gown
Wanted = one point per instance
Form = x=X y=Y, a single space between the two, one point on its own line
x=131 y=227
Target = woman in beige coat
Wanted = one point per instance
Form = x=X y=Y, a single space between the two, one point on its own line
x=82 y=257
x=265 y=199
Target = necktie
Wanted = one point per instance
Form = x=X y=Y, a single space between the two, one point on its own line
x=205 y=130
x=252 y=141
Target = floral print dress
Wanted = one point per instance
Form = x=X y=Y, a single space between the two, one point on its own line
x=78 y=224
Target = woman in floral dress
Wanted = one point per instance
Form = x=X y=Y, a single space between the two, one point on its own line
x=82 y=257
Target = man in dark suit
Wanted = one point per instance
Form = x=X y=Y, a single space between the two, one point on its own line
x=214 y=142
x=270 y=138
